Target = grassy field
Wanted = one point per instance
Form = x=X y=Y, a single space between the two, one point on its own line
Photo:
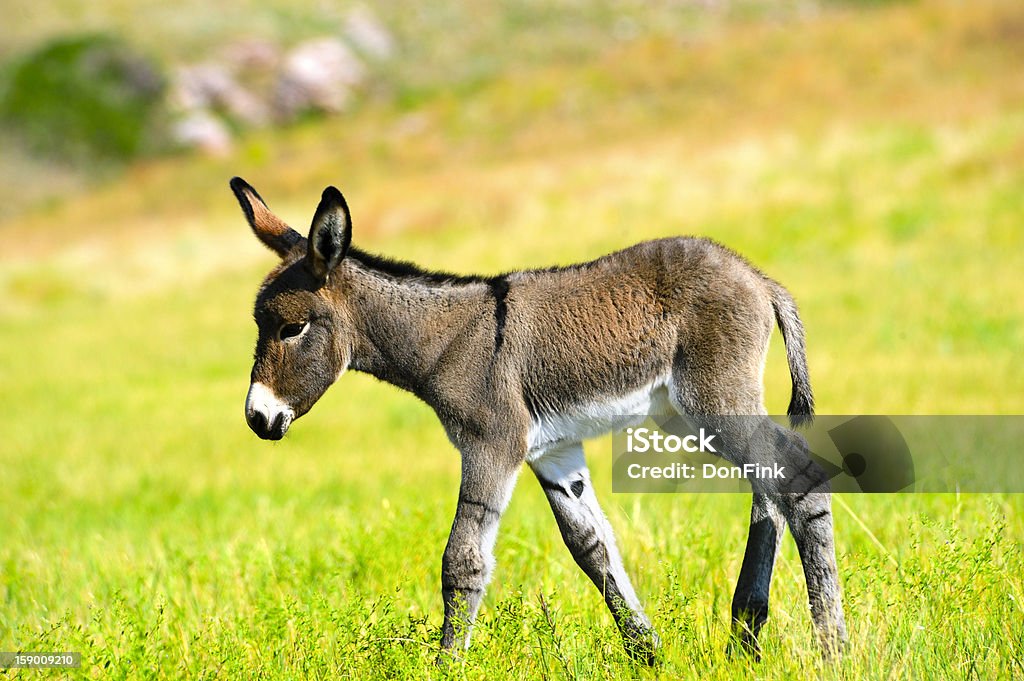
x=873 y=161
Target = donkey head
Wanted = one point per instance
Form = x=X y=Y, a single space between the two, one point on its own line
x=301 y=348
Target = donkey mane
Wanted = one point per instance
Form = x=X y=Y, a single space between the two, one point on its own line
x=404 y=270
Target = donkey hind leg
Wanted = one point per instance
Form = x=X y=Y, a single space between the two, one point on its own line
x=563 y=474
x=487 y=483
x=806 y=509
x=805 y=500
x=750 y=601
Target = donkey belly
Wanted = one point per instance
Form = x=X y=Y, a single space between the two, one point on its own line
x=597 y=417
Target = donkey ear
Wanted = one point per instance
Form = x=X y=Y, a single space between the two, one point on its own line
x=269 y=228
x=329 y=235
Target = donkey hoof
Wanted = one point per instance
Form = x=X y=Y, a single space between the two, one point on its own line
x=742 y=642
x=834 y=646
x=642 y=644
x=446 y=657
x=746 y=625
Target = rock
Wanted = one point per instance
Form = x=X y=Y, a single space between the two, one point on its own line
x=202 y=130
x=368 y=34
x=252 y=55
x=212 y=86
x=317 y=75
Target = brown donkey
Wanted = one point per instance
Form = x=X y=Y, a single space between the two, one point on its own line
x=521 y=367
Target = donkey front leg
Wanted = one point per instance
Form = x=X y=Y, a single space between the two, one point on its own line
x=487 y=482
x=563 y=474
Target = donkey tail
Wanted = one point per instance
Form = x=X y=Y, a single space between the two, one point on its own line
x=801 y=403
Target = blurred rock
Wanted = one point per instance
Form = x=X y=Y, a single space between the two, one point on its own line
x=202 y=130
x=252 y=55
x=368 y=34
x=212 y=86
x=317 y=75
x=253 y=81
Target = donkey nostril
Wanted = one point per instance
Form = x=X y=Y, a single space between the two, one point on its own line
x=257 y=422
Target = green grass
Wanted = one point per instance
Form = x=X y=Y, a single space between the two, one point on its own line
x=144 y=526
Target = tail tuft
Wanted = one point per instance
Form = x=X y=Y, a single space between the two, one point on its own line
x=801 y=408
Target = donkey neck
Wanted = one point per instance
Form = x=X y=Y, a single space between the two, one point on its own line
x=405 y=324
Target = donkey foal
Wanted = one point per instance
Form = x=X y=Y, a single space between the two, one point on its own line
x=522 y=367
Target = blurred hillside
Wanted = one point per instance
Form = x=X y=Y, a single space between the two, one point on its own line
x=442 y=43
x=484 y=82
x=447 y=50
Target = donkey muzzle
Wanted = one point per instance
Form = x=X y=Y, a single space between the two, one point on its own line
x=267 y=415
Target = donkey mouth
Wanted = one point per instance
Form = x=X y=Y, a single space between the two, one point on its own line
x=267 y=415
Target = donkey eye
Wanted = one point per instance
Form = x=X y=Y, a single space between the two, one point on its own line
x=291 y=330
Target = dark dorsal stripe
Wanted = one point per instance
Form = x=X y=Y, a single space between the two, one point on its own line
x=499 y=288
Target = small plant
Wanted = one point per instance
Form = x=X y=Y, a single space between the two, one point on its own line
x=84 y=97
